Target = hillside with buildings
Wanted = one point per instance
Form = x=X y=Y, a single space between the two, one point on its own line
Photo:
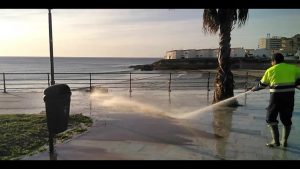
x=289 y=47
x=195 y=59
x=203 y=63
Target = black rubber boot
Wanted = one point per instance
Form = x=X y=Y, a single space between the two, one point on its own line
x=275 y=136
x=285 y=134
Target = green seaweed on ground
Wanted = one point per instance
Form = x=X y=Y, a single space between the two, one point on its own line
x=25 y=134
x=82 y=123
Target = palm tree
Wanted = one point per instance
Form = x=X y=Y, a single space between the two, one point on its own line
x=223 y=20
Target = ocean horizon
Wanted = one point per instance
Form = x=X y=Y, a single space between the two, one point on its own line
x=23 y=73
x=33 y=64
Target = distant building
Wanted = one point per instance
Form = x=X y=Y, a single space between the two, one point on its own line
x=249 y=52
x=287 y=46
x=262 y=43
x=205 y=53
x=237 y=52
x=298 y=54
x=202 y=53
x=264 y=53
x=296 y=43
x=273 y=43
x=174 y=54
x=189 y=53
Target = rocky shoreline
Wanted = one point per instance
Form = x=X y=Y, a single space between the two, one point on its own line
x=206 y=63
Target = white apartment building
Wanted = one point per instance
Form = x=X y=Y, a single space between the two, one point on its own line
x=207 y=53
x=262 y=53
x=202 y=53
x=249 y=52
x=174 y=54
x=189 y=53
x=237 y=52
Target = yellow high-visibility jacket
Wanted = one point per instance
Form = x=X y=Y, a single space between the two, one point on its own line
x=281 y=77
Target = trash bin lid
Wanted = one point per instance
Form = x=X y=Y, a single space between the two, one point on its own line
x=57 y=89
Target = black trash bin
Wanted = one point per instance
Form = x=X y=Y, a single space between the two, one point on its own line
x=57 y=100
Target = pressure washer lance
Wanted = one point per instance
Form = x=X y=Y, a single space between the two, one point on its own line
x=297 y=85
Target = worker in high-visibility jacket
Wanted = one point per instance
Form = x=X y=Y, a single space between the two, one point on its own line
x=282 y=78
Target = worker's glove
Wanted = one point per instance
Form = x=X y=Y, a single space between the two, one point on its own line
x=297 y=84
x=255 y=88
x=248 y=89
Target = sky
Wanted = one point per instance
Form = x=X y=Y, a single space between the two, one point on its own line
x=129 y=32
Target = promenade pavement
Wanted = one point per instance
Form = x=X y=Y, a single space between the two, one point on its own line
x=121 y=132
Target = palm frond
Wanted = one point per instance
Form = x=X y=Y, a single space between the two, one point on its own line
x=211 y=21
x=234 y=16
x=242 y=17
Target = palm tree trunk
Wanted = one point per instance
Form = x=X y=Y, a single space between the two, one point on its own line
x=224 y=83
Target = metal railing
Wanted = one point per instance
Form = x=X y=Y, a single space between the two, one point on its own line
x=22 y=82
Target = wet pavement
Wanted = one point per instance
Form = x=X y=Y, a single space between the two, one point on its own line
x=121 y=132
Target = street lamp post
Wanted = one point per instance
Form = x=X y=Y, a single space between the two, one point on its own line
x=51 y=135
x=51 y=48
